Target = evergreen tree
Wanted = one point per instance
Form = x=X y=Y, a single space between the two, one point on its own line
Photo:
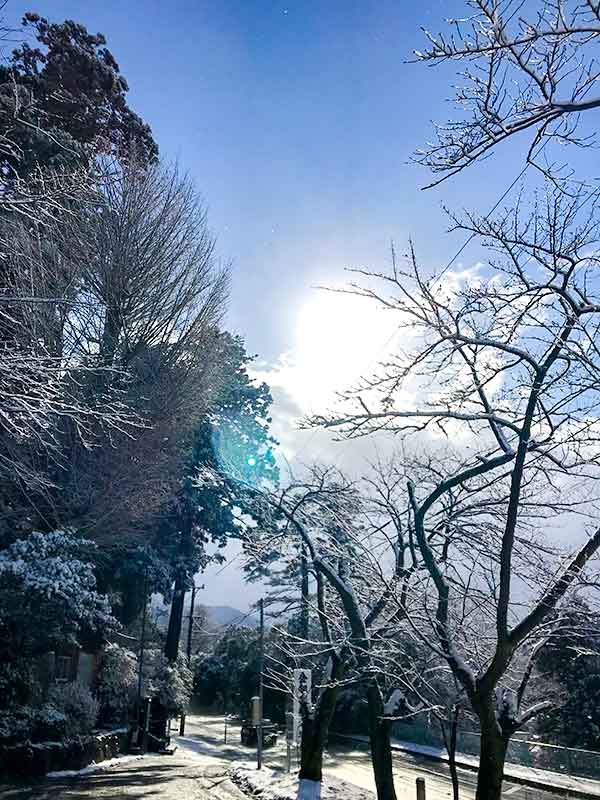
x=232 y=450
x=572 y=661
x=64 y=101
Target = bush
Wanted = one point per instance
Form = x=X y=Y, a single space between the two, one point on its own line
x=116 y=682
x=19 y=683
x=69 y=711
x=170 y=683
x=16 y=725
x=26 y=724
x=75 y=702
x=48 y=724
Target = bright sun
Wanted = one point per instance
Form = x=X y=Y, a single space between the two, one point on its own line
x=338 y=338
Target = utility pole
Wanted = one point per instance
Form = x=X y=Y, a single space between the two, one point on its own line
x=141 y=663
x=191 y=625
x=189 y=648
x=261 y=663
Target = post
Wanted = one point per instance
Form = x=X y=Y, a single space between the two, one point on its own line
x=261 y=663
x=148 y=708
x=141 y=659
x=189 y=649
x=289 y=737
x=191 y=625
x=225 y=739
x=420 y=788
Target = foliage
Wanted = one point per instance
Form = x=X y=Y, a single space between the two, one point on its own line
x=170 y=682
x=116 y=682
x=72 y=708
x=571 y=661
x=16 y=724
x=231 y=448
x=351 y=711
x=227 y=678
x=125 y=570
x=219 y=675
x=18 y=681
x=48 y=578
x=65 y=100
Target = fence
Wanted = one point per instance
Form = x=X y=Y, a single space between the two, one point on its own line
x=521 y=750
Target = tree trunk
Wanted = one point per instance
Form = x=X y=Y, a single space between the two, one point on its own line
x=450 y=742
x=304 y=590
x=311 y=752
x=315 y=731
x=175 y=618
x=111 y=332
x=381 y=749
x=492 y=755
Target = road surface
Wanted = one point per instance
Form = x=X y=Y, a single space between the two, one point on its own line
x=198 y=771
x=351 y=763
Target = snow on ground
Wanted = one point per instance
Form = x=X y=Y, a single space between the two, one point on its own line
x=270 y=784
x=93 y=767
x=528 y=776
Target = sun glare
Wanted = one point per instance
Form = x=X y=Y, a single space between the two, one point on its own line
x=338 y=338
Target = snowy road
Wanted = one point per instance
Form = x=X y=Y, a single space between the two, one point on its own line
x=352 y=764
x=198 y=771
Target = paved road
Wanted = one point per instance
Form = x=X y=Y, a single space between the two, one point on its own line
x=352 y=764
x=184 y=776
x=198 y=771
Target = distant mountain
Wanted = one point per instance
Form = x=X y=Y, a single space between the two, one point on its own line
x=226 y=615
x=218 y=616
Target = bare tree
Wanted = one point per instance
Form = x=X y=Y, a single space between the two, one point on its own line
x=41 y=384
x=112 y=352
x=524 y=69
x=150 y=300
x=362 y=561
x=506 y=366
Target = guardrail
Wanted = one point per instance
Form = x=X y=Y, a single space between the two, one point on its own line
x=522 y=750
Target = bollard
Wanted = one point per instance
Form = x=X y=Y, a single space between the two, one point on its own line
x=420 y=788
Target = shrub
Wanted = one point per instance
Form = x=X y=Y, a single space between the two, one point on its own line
x=116 y=682
x=24 y=723
x=19 y=683
x=48 y=724
x=171 y=683
x=16 y=725
x=76 y=703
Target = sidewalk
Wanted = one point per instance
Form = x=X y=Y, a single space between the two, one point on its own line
x=527 y=776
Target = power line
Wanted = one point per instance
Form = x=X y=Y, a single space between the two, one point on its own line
x=486 y=216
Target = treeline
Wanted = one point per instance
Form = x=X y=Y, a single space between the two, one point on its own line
x=119 y=384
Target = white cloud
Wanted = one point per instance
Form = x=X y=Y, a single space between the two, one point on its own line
x=338 y=338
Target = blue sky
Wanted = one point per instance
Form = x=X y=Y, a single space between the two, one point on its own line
x=297 y=120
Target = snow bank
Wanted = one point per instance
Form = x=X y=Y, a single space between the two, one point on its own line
x=269 y=784
x=110 y=762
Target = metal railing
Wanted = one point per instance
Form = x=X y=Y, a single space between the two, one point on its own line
x=521 y=750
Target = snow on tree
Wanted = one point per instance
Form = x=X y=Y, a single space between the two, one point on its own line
x=48 y=599
x=116 y=682
x=48 y=578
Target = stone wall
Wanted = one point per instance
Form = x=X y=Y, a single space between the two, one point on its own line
x=38 y=759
